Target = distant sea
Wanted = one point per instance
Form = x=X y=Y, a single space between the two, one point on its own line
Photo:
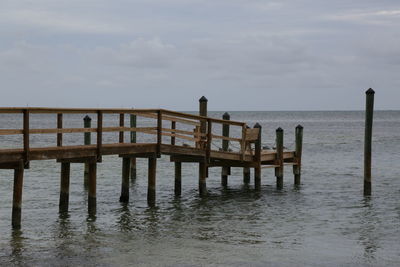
x=325 y=222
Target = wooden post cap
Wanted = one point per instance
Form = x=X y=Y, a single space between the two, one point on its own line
x=299 y=127
x=203 y=99
x=257 y=125
x=370 y=91
x=87 y=118
x=226 y=116
x=279 y=129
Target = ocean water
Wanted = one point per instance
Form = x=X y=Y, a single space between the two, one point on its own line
x=325 y=222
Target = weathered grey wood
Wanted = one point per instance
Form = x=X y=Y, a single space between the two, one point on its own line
x=92 y=188
x=87 y=123
x=99 y=134
x=257 y=159
x=26 y=127
x=17 y=196
x=64 y=187
x=125 y=180
x=151 y=188
x=298 y=154
x=202 y=165
x=133 y=140
x=178 y=178
x=225 y=147
x=369 y=114
x=279 y=158
x=159 y=133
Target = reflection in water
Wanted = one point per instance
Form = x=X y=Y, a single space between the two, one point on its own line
x=17 y=247
x=369 y=222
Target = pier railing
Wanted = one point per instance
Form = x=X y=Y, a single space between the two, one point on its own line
x=198 y=130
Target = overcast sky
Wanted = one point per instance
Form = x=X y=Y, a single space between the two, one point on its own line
x=240 y=54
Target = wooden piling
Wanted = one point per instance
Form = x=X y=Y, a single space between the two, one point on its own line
x=64 y=187
x=246 y=175
x=203 y=165
x=59 y=126
x=178 y=178
x=92 y=188
x=151 y=188
x=279 y=158
x=257 y=155
x=133 y=140
x=225 y=147
x=298 y=153
x=87 y=123
x=369 y=114
x=17 y=196
x=125 y=180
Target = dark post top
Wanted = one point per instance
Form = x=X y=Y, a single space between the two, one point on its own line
x=370 y=91
x=87 y=118
x=279 y=129
x=299 y=127
x=203 y=99
x=226 y=116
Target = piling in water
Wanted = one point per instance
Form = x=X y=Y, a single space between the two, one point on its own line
x=151 y=187
x=64 y=186
x=87 y=123
x=257 y=154
x=369 y=114
x=298 y=153
x=225 y=147
x=279 y=158
x=203 y=165
x=125 y=180
x=92 y=188
x=178 y=178
x=17 y=196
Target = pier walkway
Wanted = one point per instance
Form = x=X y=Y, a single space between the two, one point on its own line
x=184 y=137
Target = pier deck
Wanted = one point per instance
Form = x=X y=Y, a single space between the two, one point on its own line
x=184 y=137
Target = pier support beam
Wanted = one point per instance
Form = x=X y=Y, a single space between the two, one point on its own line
x=17 y=197
x=64 y=187
x=369 y=114
x=87 y=122
x=92 y=188
x=279 y=158
x=126 y=162
x=151 y=187
x=257 y=153
x=202 y=179
x=225 y=147
x=298 y=152
x=178 y=179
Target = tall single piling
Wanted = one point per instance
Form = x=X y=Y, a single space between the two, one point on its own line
x=279 y=158
x=298 y=154
x=87 y=123
x=225 y=147
x=203 y=165
x=369 y=113
x=133 y=140
x=125 y=180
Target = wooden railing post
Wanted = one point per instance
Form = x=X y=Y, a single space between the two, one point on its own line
x=279 y=158
x=26 y=137
x=369 y=114
x=59 y=126
x=257 y=158
x=298 y=153
x=159 y=132
x=133 y=140
x=173 y=127
x=209 y=140
x=121 y=124
x=225 y=171
x=203 y=165
x=87 y=123
x=99 y=134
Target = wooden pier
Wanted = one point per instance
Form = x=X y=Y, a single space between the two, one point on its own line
x=184 y=137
